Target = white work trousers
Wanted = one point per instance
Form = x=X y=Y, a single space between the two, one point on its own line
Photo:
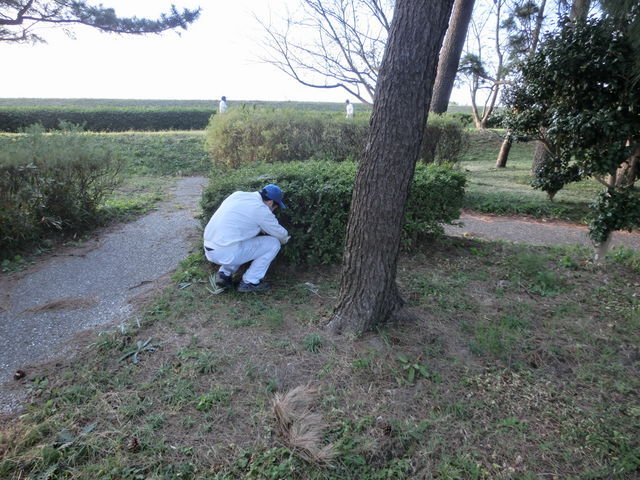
x=260 y=251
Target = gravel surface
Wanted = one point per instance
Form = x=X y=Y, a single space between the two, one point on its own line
x=90 y=286
x=533 y=232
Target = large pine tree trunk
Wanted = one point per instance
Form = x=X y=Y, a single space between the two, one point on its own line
x=450 y=55
x=368 y=292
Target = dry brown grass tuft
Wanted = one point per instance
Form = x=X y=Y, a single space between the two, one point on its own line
x=299 y=427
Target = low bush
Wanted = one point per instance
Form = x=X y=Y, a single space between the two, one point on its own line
x=51 y=182
x=445 y=140
x=106 y=119
x=244 y=136
x=318 y=194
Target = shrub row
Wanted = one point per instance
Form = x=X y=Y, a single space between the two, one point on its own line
x=106 y=119
x=318 y=196
x=247 y=136
x=52 y=182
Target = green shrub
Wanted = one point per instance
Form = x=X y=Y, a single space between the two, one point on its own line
x=244 y=136
x=465 y=119
x=106 y=119
x=318 y=194
x=445 y=140
x=51 y=182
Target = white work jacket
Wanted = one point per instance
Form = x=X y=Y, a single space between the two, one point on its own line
x=243 y=215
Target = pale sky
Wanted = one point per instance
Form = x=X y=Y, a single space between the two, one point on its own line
x=218 y=55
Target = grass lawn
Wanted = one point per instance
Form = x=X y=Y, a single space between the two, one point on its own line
x=524 y=364
x=507 y=190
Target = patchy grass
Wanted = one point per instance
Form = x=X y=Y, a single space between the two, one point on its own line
x=160 y=153
x=507 y=191
x=524 y=364
x=136 y=196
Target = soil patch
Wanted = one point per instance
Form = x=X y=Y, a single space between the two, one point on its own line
x=69 y=303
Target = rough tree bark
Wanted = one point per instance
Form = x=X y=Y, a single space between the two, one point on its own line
x=505 y=148
x=540 y=156
x=450 y=55
x=368 y=291
x=579 y=10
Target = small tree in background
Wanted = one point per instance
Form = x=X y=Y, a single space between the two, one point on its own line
x=580 y=97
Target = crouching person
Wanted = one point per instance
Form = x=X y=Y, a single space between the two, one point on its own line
x=232 y=237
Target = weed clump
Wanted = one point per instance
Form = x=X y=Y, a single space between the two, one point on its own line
x=298 y=427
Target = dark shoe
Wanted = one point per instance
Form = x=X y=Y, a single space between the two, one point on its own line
x=253 y=287
x=223 y=280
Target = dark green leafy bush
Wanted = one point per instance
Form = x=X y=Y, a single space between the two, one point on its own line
x=614 y=209
x=318 y=194
x=244 y=136
x=106 y=119
x=51 y=182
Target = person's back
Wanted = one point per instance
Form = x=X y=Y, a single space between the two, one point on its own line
x=233 y=236
x=241 y=216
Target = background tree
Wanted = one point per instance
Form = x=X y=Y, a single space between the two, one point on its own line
x=483 y=65
x=20 y=19
x=450 y=52
x=523 y=25
x=346 y=51
x=579 y=97
x=368 y=292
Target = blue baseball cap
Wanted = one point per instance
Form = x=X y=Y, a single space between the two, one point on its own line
x=273 y=192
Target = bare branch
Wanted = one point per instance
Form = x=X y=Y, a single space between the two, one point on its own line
x=346 y=48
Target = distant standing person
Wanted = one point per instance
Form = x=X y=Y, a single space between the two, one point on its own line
x=232 y=237
x=222 y=106
x=349 y=109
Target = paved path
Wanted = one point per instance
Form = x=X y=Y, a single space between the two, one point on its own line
x=534 y=232
x=42 y=308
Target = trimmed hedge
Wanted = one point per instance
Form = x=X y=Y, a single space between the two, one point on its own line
x=53 y=182
x=318 y=196
x=247 y=136
x=106 y=119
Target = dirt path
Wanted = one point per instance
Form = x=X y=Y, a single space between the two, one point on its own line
x=534 y=232
x=42 y=308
